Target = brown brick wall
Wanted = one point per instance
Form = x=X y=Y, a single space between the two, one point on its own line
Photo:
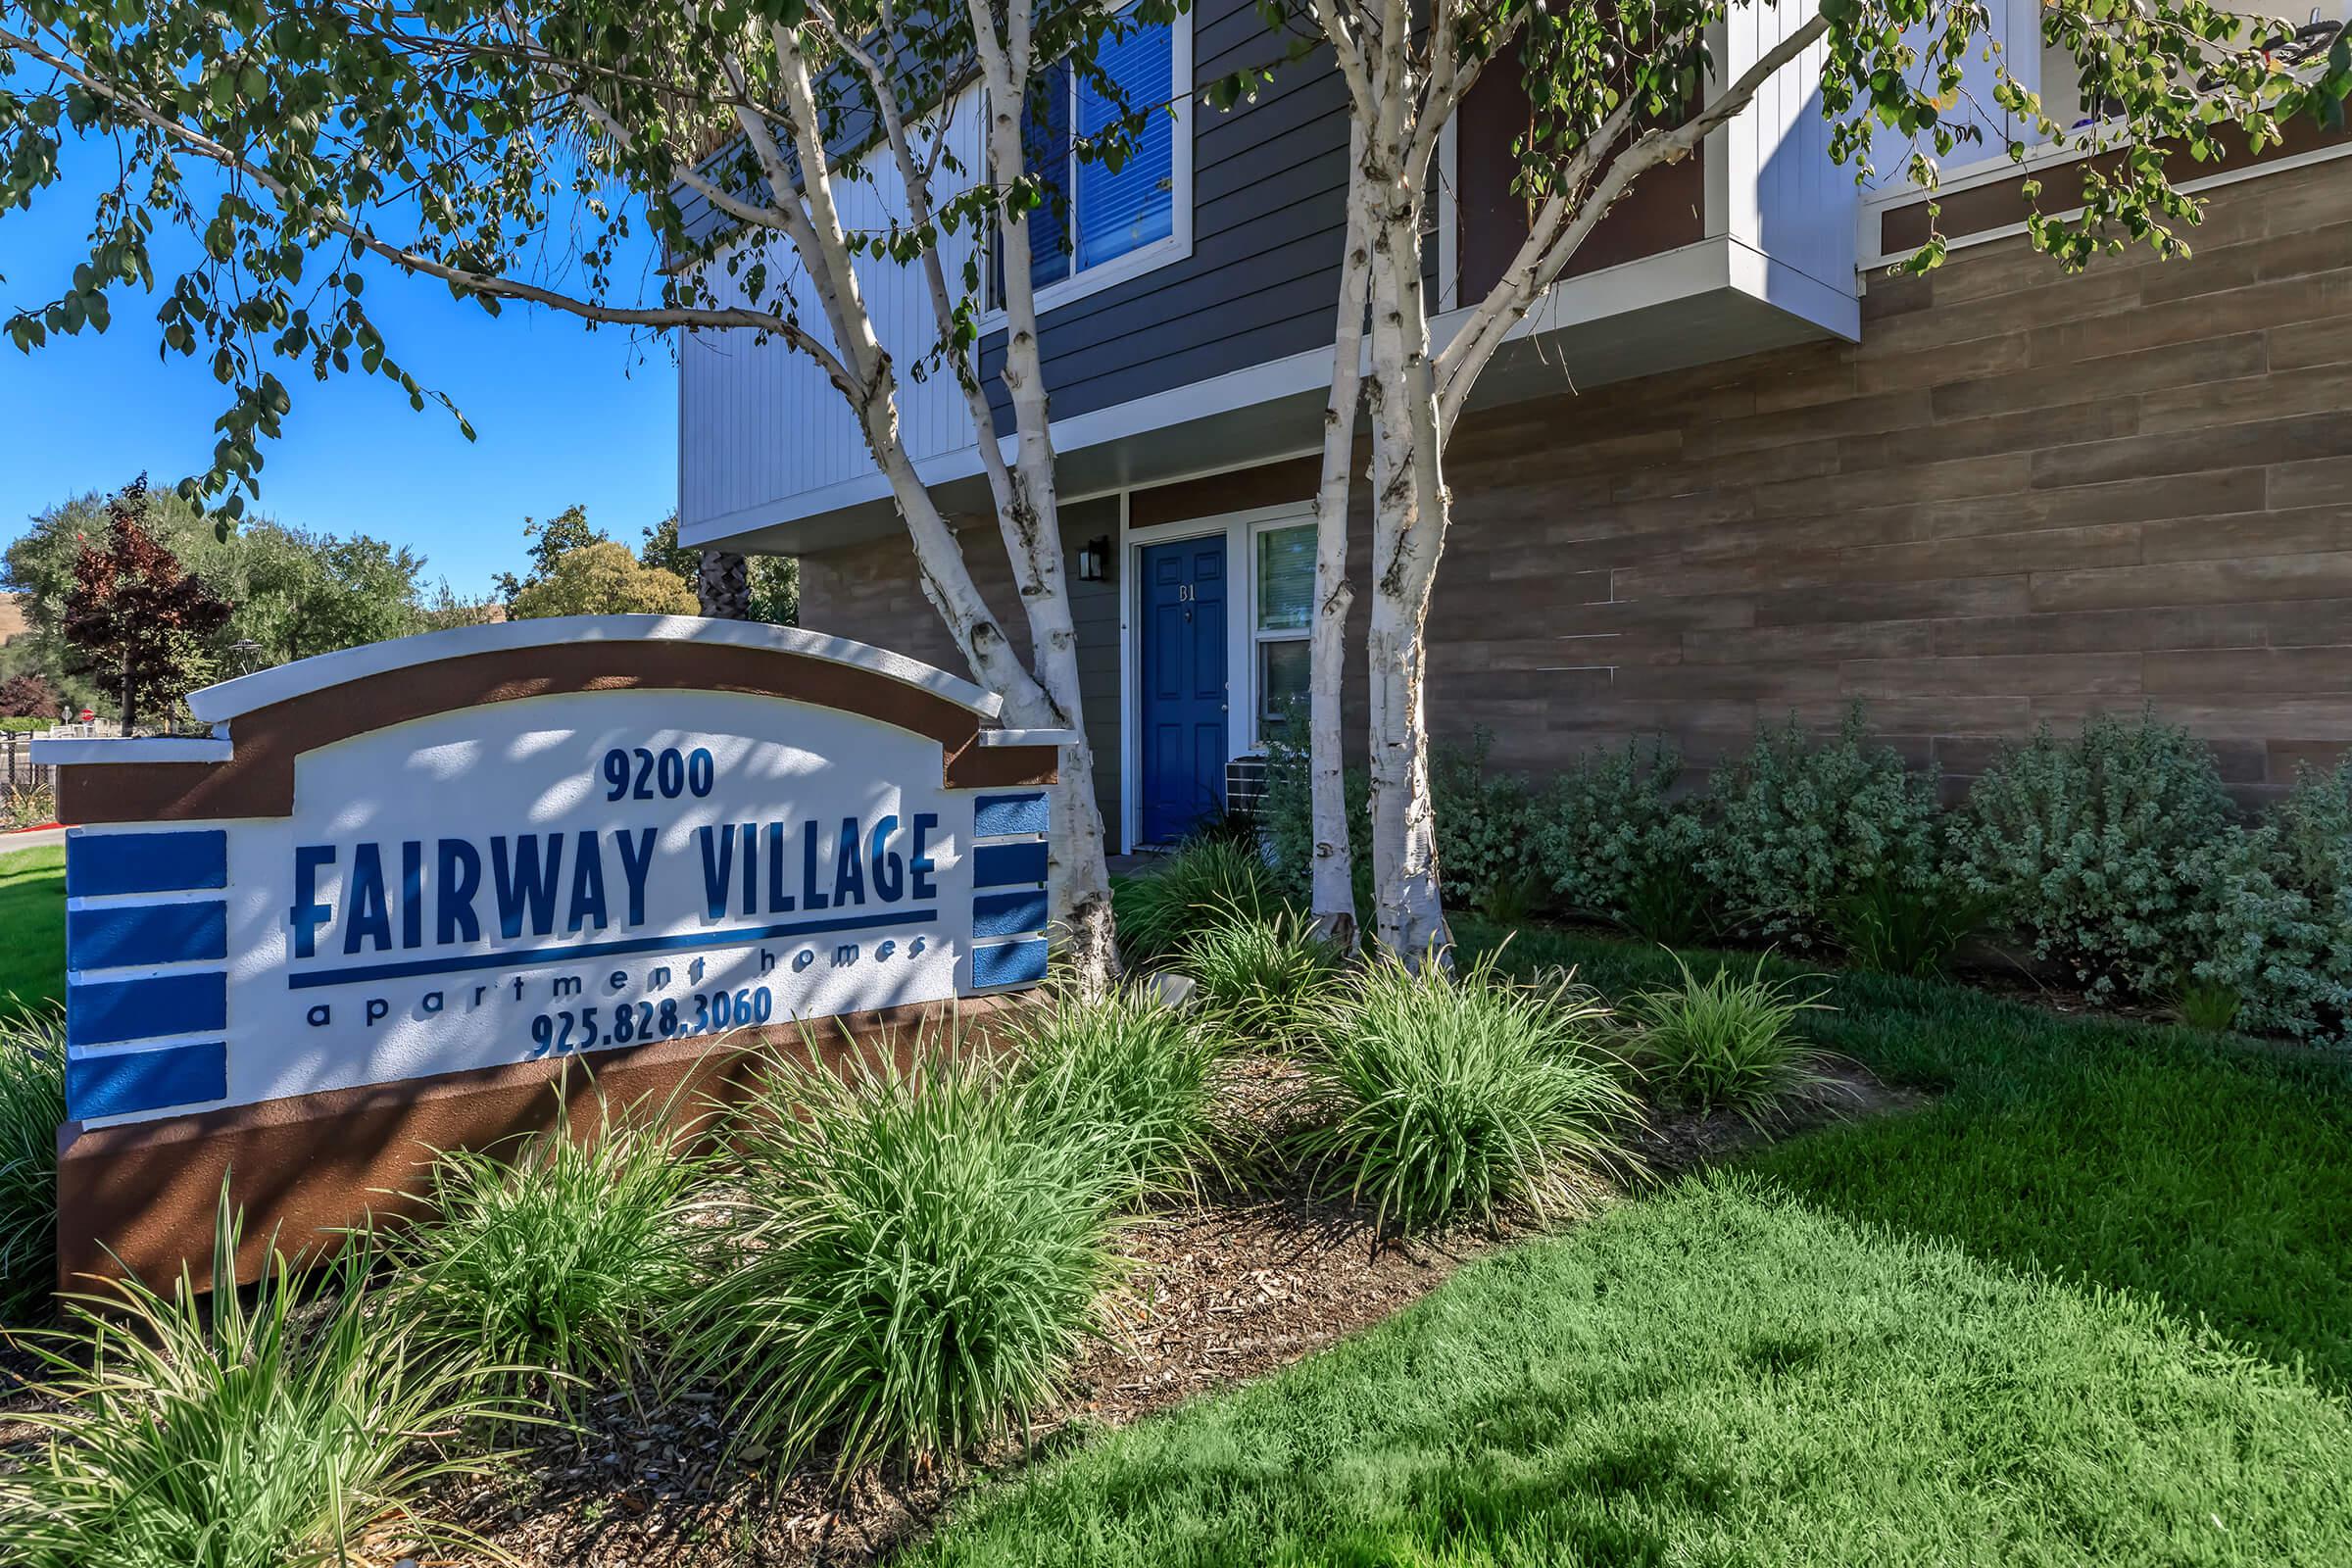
x=2022 y=497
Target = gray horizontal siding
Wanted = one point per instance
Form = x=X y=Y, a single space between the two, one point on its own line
x=1269 y=186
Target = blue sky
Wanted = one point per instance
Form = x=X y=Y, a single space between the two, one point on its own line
x=561 y=414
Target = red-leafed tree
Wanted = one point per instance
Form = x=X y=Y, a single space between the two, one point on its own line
x=27 y=697
x=135 y=612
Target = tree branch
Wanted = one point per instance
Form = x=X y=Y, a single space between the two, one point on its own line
x=915 y=176
x=1517 y=290
x=491 y=286
x=1348 y=50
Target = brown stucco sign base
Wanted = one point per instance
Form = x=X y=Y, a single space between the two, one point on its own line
x=142 y=1196
x=412 y=897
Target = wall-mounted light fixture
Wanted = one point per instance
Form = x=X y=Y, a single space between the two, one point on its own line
x=1094 y=560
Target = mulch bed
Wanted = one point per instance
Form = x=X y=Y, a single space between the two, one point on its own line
x=1248 y=1281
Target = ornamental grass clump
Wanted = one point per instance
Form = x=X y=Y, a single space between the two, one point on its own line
x=1907 y=923
x=1727 y=1042
x=32 y=1103
x=1260 y=979
x=1438 y=1097
x=917 y=1266
x=1158 y=909
x=560 y=1255
x=260 y=1429
x=1126 y=1077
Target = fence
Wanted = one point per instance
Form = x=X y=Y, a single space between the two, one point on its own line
x=18 y=771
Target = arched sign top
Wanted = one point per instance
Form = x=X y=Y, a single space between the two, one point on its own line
x=266 y=722
x=232 y=698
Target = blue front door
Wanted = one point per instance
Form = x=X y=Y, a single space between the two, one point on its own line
x=1183 y=711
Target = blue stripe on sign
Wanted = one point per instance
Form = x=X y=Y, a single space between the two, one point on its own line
x=996 y=814
x=1009 y=915
x=1009 y=963
x=145 y=862
x=100 y=1012
x=119 y=936
x=1006 y=865
x=122 y=1081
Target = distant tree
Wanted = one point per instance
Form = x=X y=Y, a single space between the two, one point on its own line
x=446 y=610
x=29 y=697
x=140 y=619
x=602 y=579
x=775 y=580
x=551 y=541
x=293 y=592
x=38 y=564
x=299 y=593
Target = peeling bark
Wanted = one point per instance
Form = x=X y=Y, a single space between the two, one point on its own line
x=1408 y=534
x=1041 y=692
x=1331 y=876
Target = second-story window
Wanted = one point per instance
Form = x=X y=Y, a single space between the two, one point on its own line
x=1093 y=214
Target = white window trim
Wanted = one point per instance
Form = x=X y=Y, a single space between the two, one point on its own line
x=1239 y=530
x=1160 y=252
x=1291 y=517
x=1449 y=221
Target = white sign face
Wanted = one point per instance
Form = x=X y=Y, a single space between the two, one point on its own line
x=572 y=873
x=308 y=903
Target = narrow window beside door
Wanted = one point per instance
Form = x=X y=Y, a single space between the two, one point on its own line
x=1286 y=591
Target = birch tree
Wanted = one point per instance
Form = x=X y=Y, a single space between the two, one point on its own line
x=517 y=151
x=1617 y=92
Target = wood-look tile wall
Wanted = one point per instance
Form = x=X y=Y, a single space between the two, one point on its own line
x=2022 y=498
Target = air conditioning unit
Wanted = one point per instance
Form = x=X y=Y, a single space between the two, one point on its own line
x=1246 y=783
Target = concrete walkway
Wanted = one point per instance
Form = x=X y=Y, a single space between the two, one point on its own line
x=41 y=838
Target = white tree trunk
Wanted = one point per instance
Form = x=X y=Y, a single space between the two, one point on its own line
x=1332 y=873
x=1400 y=102
x=1409 y=532
x=1042 y=693
x=1029 y=518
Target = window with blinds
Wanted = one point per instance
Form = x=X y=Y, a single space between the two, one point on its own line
x=1093 y=213
x=1125 y=209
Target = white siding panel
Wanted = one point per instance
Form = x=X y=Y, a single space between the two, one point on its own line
x=1787 y=199
x=758 y=422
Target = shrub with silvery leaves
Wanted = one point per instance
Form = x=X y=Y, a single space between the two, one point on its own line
x=1485 y=823
x=2093 y=849
x=1801 y=821
x=1609 y=827
x=2273 y=921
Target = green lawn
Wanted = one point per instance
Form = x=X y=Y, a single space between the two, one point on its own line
x=2092 y=1305
x=33 y=929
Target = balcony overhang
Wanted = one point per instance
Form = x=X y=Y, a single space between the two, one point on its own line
x=1715 y=299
